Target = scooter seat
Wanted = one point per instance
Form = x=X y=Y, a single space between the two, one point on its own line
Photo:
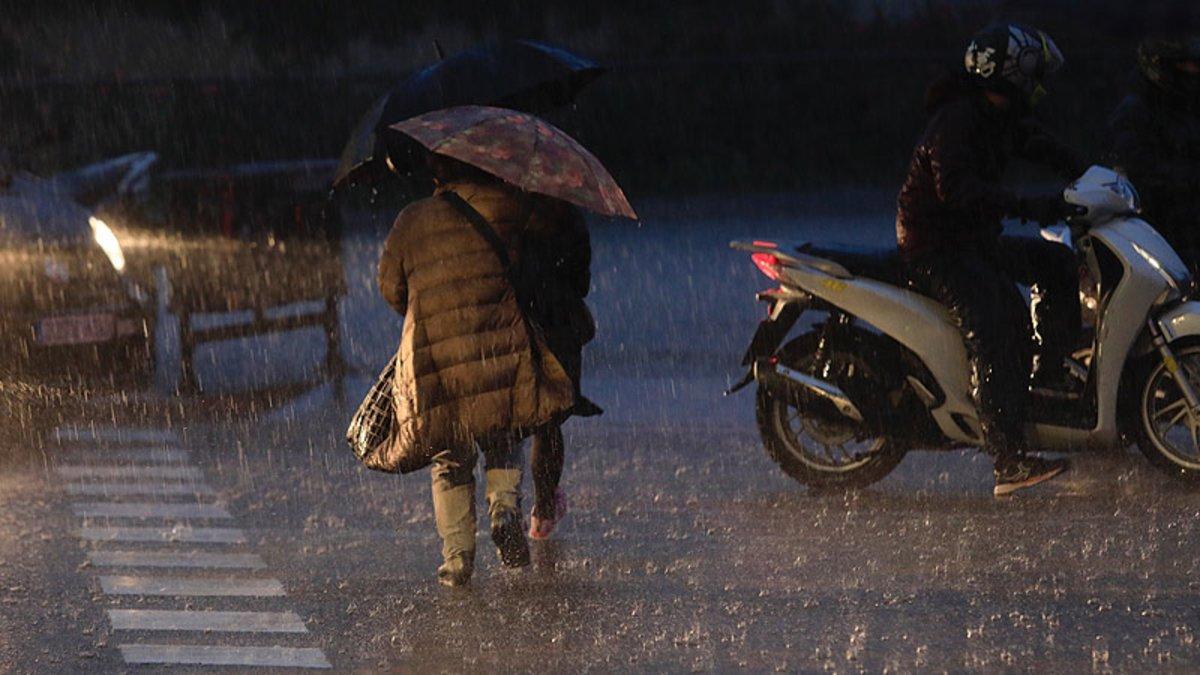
x=881 y=263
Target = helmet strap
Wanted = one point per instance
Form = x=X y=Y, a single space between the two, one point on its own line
x=1038 y=93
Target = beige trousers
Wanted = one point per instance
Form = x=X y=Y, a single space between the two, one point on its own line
x=454 y=491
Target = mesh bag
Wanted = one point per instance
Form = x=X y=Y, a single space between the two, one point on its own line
x=372 y=423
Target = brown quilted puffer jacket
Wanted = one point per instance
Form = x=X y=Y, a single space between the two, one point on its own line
x=467 y=367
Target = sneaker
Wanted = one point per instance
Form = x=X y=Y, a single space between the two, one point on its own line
x=541 y=528
x=1026 y=472
x=509 y=537
x=456 y=571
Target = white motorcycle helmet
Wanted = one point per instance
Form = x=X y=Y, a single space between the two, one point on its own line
x=1013 y=59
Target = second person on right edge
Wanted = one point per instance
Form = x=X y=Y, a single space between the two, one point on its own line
x=949 y=232
x=1156 y=140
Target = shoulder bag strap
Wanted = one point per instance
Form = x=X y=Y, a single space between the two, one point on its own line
x=485 y=230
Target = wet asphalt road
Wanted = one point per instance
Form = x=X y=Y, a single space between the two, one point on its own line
x=685 y=549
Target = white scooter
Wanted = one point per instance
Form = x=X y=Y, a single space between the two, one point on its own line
x=886 y=370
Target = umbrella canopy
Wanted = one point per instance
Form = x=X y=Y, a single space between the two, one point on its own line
x=522 y=150
x=519 y=74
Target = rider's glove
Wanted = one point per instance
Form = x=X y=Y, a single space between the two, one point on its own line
x=1044 y=210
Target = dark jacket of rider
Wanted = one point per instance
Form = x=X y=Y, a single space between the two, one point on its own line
x=1156 y=142
x=948 y=229
x=952 y=195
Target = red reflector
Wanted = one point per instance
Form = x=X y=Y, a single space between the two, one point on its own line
x=767 y=263
x=766 y=244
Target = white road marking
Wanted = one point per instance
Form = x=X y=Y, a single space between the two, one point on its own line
x=85 y=471
x=117 y=434
x=199 y=535
x=204 y=655
x=162 y=455
x=149 y=510
x=187 y=586
x=138 y=489
x=226 y=622
x=150 y=474
x=198 y=559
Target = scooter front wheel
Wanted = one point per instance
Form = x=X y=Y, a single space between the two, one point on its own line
x=1168 y=431
x=813 y=443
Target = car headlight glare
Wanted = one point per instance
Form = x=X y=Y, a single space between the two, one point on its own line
x=108 y=242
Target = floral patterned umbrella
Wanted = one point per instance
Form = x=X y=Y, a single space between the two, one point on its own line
x=522 y=150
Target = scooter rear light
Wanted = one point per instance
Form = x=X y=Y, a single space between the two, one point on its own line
x=767 y=263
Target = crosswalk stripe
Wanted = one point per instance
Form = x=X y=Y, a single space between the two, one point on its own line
x=203 y=620
x=85 y=471
x=199 y=535
x=198 y=559
x=116 y=434
x=161 y=455
x=155 y=470
x=138 y=489
x=188 y=586
x=205 y=655
x=149 y=510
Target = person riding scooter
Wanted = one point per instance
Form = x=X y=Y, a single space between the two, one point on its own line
x=1156 y=140
x=948 y=230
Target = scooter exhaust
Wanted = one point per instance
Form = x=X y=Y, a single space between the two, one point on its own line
x=785 y=380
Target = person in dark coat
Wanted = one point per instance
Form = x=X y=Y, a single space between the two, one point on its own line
x=557 y=269
x=1156 y=140
x=948 y=230
x=471 y=377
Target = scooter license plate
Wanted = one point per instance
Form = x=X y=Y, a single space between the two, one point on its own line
x=79 y=329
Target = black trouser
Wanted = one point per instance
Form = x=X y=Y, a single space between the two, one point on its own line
x=979 y=287
x=546 y=455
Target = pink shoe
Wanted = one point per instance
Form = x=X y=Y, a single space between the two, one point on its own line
x=540 y=529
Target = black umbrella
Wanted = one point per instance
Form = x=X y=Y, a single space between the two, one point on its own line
x=520 y=74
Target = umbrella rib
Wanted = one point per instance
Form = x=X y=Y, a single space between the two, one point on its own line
x=533 y=153
x=462 y=130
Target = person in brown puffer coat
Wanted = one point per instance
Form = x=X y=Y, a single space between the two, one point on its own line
x=469 y=373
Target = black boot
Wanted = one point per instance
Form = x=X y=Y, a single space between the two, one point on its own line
x=508 y=533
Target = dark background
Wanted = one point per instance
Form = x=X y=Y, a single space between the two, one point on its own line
x=704 y=96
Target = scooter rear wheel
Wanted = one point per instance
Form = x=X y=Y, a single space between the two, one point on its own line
x=811 y=441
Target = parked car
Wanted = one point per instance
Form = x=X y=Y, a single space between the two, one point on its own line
x=68 y=309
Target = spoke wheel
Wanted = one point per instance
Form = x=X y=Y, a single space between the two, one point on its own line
x=817 y=436
x=811 y=441
x=1169 y=432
